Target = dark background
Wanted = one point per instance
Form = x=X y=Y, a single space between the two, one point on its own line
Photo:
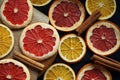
x=115 y=18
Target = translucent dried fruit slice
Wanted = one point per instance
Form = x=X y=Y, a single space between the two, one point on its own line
x=13 y=70
x=6 y=40
x=103 y=38
x=39 y=41
x=106 y=7
x=14 y=15
x=66 y=15
x=72 y=48
x=40 y=2
x=59 y=71
x=93 y=72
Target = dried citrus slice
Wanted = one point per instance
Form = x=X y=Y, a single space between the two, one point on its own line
x=39 y=41
x=40 y=2
x=59 y=71
x=106 y=7
x=66 y=15
x=13 y=70
x=72 y=48
x=103 y=38
x=6 y=40
x=93 y=72
x=14 y=15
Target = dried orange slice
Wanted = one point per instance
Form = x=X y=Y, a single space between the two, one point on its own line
x=6 y=40
x=39 y=41
x=13 y=70
x=103 y=38
x=66 y=15
x=16 y=13
x=72 y=48
x=106 y=7
x=59 y=71
x=93 y=72
x=40 y=2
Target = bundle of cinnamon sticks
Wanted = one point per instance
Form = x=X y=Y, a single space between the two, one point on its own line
x=106 y=62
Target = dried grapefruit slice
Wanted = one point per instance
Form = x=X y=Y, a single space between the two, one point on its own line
x=66 y=15
x=16 y=13
x=72 y=48
x=103 y=38
x=40 y=2
x=13 y=70
x=59 y=71
x=106 y=7
x=39 y=41
x=93 y=72
x=6 y=40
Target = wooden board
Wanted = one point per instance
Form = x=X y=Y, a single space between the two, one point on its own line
x=37 y=17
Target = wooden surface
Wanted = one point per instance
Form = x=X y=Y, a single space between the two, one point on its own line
x=37 y=17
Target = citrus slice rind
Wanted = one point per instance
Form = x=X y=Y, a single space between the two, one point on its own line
x=13 y=69
x=72 y=48
x=63 y=18
x=103 y=38
x=6 y=40
x=93 y=72
x=107 y=8
x=40 y=2
x=15 y=16
x=39 y=41
x=59 y=71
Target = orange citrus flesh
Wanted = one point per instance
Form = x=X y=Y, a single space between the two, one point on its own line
x=106 y=7
x=40 y=2
x=6 y=41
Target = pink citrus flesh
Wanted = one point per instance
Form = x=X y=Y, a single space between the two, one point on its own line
x=66 y=14
x=39 y=41
x=103 y=38
x=93 y=74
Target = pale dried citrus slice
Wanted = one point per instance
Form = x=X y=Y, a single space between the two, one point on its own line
x=106 y=7
x=16 y=13
x=103 y=38
x=66 y=15
x=39 y=41
x=72 y=48
x=93 y=72
x=11 y=69
x=6 y=40
x=59 y=71
x=40 y=2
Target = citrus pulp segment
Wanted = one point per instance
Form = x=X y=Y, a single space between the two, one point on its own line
x=39 y=41
x=72 y=48
x=6 y=40
x=103 y=38
x=16 y=13
x=40 y=2
x=13 y=70
x=66 y=15
x=106 y=7
x=93 y=72
x=59 y=71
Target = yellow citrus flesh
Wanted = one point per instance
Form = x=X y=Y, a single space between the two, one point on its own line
x=72 y=48
x=106 y=7
x=40 y=2
x=6 y=40
x=59 y=71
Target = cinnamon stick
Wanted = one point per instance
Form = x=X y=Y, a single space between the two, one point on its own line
x=107 y=62
x=28 y=61
x=88 y=22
